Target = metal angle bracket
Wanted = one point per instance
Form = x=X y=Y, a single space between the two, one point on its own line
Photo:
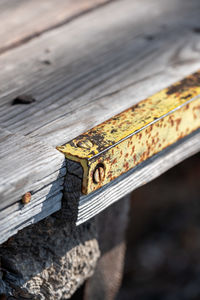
x=129 y=138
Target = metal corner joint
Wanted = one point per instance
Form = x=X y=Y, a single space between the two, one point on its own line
x=129 y=138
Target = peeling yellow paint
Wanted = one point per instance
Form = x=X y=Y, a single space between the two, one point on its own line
x=136 y=134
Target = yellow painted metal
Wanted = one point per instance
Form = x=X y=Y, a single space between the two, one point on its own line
x=136 y=134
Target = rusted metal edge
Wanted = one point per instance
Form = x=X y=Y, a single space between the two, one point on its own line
x=119 y=144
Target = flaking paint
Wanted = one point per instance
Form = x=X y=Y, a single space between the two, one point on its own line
x=138 y=133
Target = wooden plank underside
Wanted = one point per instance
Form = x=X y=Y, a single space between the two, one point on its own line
x=22 y=20
x=95 y=70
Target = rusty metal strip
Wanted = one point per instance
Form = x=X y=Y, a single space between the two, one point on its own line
x=119 y=144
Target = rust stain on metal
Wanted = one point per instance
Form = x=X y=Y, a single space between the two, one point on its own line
x=26 y=198
x=136 y=134
x=191 y=81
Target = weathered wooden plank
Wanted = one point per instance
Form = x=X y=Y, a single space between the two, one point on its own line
x=24 y=162
x=84 y=207
x=23 y=20
x=27 y=166
x=95 y=70
x=136 y=59
x=18 y=217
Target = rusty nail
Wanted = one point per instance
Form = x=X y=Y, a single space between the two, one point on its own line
x=99 y=174
x=26 y=198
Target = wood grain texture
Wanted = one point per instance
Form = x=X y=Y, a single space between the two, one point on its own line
x=23 y=20
x=25 y=162
x=97 y=71
x=81 y=74
x=28 y=166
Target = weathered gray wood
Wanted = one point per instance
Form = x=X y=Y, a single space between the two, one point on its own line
x=84 y=207
x=97 y=68
x=97 y=71
x=19 y=216
x=22 y=20
x=28 y=166
x=80 y=74
x=24 y=162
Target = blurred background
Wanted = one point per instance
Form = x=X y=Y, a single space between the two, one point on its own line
x=162 y=259
x=163 y=237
